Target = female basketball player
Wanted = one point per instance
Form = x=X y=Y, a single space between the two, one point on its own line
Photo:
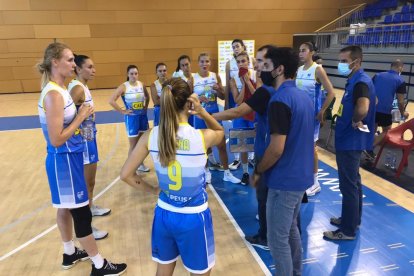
x=79 y=91
x=238 y=89
x=60 y=123
x=156 y=88
x=182 y=223
x=207 y=85
x=309 y=78
x=135 y=96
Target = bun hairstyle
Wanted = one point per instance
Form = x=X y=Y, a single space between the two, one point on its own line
x=80 y=60
x=173 y=100
x=52 y=51
x=311 y=46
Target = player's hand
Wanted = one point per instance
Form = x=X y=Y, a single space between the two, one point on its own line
x=85 y=110
x=196 y=108
x=254 y=179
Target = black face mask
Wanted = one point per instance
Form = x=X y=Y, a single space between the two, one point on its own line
x=267 y=78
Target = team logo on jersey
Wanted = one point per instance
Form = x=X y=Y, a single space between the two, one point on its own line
x=80 y=195
x=77 y=131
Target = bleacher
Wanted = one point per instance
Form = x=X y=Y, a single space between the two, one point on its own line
x=385 y=24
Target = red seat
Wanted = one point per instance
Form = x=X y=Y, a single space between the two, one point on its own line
x=395 y=138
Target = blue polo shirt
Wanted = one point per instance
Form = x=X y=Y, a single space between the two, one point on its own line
x=346 y=137
x=387 y=84
x=295 y=119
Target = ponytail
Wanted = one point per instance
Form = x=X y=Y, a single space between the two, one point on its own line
x=167 y=141
x=173 y=99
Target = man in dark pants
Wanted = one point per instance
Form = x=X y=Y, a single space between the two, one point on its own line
x=354 y=132
x=388 y=85
x=258 y=103
x=287 y=164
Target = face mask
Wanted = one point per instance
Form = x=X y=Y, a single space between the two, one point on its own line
x=343 y=69
x=267 y=78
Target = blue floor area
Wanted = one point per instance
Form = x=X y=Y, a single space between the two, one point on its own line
x=30 y=122
x=384 y=245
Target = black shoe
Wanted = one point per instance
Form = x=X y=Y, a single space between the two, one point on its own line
x=108 y=268
x=257 y=241
x=245 y=179
x=370 y=155
x=70 y=260
x=216 y=167
x=337 y=222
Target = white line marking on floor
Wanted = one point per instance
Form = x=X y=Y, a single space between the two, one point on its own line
x=238 y=229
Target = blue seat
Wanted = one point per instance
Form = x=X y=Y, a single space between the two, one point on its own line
x=388 y=19
x=397 y=18
x=378 y=30
x=350 y=40
x=406 y=38
x=405 y=9
x=359 y=40
x=376 y=39
x=412 y=8
x=395 y=38
x=406 y=17
x=369 y=30
x=396 y=28
x=366 y=39
x=406 y=27
x=387 y=29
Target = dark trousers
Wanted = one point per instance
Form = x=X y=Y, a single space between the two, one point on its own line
x=261 y=194
x=350 y=186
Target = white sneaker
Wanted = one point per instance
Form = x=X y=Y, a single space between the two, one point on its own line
x=208 y=176
x=234 y=165
x=316 y=188
x=142 y=168
x=99 y=234
x=99 y=211
x=228 y=176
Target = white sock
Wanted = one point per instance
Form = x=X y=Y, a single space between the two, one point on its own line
x=237 y=156
x=251 y=155
x=98 y=261
x=211 y=158
x=245 y=167
x=69 y=247
x=227 y=171
x=315 y=179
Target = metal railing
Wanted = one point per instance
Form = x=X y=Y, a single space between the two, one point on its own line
x=355 y=15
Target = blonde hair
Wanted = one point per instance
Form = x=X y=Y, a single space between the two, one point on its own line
x=174 y=97
x=243 y=53
x=53 y=51
x=203 y=55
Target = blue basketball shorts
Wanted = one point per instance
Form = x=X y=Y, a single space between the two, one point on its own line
x=135 y=124
x=90 y=152
x=156 y=115
x=66 y=180
x=187 y=235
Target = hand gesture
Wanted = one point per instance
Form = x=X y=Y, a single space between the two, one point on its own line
x=85 y=110
x=196 y=105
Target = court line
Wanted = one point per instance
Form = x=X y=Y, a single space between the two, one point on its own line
x=47 y=204
x=240 y=232
x=47 y=231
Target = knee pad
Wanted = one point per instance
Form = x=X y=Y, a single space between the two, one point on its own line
x=82 y=219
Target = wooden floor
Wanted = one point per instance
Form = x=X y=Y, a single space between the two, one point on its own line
x=26 y=212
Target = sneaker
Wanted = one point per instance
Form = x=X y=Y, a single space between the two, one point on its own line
x=337 y=235
x=245 y=179
x=208 y=177
x=70 y=260
x=257 y=241
x=231 y=178
x=316 y=188
x=215 y=167
x=99 y=211
x=234 y=165
x=337 y=221
x=99 y=234
x=252 y=163
x=142 y=168
x=369 y=155
x=108 y=268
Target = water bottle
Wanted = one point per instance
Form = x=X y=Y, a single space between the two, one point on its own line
x=88 y=129
x=388 y=159
x=393 y=161
x=396 y=115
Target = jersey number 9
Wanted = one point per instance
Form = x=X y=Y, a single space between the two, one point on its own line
x=174 y=173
